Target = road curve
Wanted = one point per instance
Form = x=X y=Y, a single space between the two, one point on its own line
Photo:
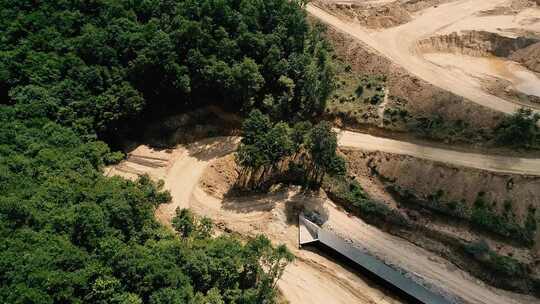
x=494 y=163
x=399 y=45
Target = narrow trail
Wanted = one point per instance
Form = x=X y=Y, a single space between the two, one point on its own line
x=399 y=45
x=494 y=163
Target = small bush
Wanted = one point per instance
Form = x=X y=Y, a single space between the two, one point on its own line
x=519 y=130
x=497 y=263
x=359 y=91
x=349 y=192
x=483 y=217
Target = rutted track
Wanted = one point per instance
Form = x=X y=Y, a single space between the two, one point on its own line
x=399 y=45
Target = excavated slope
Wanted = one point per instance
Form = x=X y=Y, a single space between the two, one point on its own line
x=529 y=56
x=476 y=43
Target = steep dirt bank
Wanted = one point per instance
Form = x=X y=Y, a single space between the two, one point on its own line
x=398 y=45
x=529 y=57
x=474 y=43
x=427 y=180
x=419 y=97
x=425 y=266
x=377 y=14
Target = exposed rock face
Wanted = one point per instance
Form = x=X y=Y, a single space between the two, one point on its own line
x=529 y=56
x=475 y=43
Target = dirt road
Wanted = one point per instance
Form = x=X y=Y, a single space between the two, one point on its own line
x=399 y=45
x=503 y=164
x=426 y=265
x=311 y=278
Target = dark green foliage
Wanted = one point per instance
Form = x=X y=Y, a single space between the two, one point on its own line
x=73 y=70
x=484 y=217
x=184 y=222
x=499 y=264
x=519 y=130
x=188 y=225
x=96 y=65
x=351 y=194
x=68 y=234
x=303 y=153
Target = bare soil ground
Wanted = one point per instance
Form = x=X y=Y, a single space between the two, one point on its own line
x=199 y=177
x=398 y=44
x=425 y=178
x=494 y=163
x=312 y=278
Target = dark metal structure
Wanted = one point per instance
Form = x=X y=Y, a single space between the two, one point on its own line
x=311 y=234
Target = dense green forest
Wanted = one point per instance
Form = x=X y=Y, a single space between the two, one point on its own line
x=75 y=72
x=95 y=65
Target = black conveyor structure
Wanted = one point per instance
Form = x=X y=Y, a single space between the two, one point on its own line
x=311 y=234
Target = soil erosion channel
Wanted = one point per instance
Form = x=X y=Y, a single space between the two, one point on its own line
x=399 y=45
x=311 y=278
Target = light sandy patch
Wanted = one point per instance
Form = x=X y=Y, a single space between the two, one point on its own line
x=504 y=164
x=479 y=68
x=398 y=44
x=506 y=25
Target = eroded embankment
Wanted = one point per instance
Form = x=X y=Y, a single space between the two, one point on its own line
x=378 y=14
x=418 y=97
x=475 y=43
x=529 y=57
x=439 y=209
x=514 y=195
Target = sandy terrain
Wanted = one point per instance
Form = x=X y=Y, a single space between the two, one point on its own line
x=478 y=68
x=312 y=278
x=528 y=166
x=398 y=44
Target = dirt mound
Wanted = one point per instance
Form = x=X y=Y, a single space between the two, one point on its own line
x=529 y=56
x=418 y=5
x=372 y=15
x=513 y=9
x=474 y=43
x=220 y=176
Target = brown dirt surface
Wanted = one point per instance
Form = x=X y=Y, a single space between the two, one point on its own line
x=220 y=176
x=420 y=98
x=424 y=265
x=529 y=57
x=312 y=278
x=425 y=178
x=397 y=44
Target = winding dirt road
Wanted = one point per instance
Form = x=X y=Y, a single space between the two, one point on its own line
x=311 y=278
x=494 y=163
x=314 y=278
x=399 y=45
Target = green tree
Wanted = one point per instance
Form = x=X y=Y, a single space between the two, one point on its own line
x=519 y=129
x=184 y=222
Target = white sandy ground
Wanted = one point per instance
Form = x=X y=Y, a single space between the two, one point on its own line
x=505 y=25
x=311 y=278
x=495 y=163
x=399 y=45
x=477 y=69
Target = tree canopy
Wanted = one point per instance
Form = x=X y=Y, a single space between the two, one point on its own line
x=73 y=73
x=97 y=65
